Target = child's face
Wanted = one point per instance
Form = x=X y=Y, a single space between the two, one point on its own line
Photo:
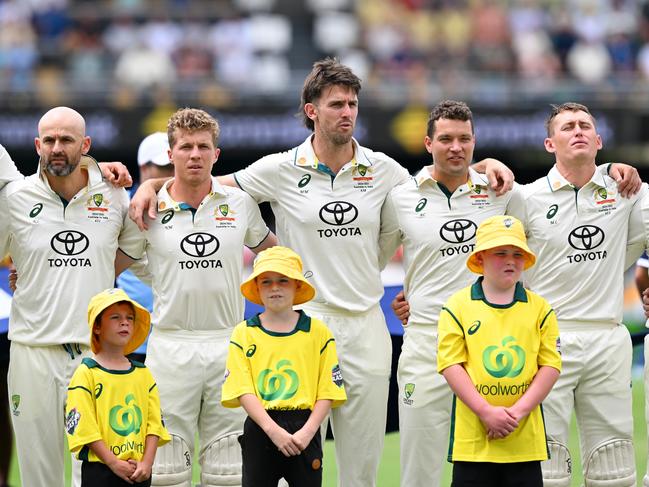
x=116 y=326
x=276 y=290
x=503 y=265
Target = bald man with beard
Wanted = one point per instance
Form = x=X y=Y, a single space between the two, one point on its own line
x=62 y=226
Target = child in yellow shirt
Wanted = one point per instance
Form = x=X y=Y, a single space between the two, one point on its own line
x=113 y=418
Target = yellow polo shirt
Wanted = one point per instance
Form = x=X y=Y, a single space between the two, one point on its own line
x=284 y=370
x=120 y=407
x=501 y=347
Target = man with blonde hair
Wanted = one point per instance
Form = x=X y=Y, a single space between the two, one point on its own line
x=195 y=251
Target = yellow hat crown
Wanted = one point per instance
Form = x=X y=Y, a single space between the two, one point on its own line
x=283 y=261
x=497 y=231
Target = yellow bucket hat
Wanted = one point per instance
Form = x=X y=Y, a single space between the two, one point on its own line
x=99 y=302
x=497 y=231
x=283 y=261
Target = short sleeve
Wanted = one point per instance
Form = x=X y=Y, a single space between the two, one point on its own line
x=131 y=240
x=549 y=350
x=390 y=234
x=516 y=204
x=330 y=380
x=451 y=345
x=259 y=179
x=238 y=378
x=155 y=425
x=80 y=413
x=257 y=229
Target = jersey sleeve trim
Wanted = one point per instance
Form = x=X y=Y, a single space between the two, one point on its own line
x=236 y=180
x=80 y=387
x=236 y=344
x=325 y=345
x=261 y=241
x=545 y=318
x=126 y=254
x=444 y=308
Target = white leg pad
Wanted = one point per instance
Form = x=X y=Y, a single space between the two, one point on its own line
x=611 y=464
x=221 y=463
x=173 y=464
x=558 y=469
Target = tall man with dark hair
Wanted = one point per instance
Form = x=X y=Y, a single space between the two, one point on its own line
x=435 y=215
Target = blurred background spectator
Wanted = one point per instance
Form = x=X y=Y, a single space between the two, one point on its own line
x=263 y=47
x=127 y=64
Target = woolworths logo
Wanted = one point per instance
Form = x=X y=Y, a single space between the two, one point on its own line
x=281 y=383
x=127 y=419
x=507 y=360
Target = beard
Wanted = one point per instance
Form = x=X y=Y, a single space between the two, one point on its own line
x=341 y=139
x=61 y=170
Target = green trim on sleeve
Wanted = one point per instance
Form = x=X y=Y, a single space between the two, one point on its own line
x=236 y=344
x=80 y=387
x=451 y=439
x=325 y=345
x=153 y=387
x=545 y=318
x=444 y=308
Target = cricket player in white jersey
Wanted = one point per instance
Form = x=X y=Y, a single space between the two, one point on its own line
x=327 y=195
x=62 y=227
x=579 y=227
x=435 y=216
x=195 y=253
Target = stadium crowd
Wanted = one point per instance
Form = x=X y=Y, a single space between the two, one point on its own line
x=243 y=47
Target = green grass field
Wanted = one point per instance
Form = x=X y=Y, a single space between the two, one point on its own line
x=389 y=468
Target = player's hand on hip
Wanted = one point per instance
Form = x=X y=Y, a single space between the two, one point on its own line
x=401 y=307
x=627 y=178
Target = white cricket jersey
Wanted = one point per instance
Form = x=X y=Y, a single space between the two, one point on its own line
x=8 y=170
x=64 y=255
x=197 y=256
x=580 y=239
x=438 y=234
x=332 y=221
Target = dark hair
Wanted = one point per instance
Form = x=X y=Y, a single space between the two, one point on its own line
x=326 y=72
x=450 y=110
x=568 y=106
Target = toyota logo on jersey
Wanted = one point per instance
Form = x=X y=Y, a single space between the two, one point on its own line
x=338 y=213
x=586 y=237
x=199 y=244
x=69 y=242
x=458 y=231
